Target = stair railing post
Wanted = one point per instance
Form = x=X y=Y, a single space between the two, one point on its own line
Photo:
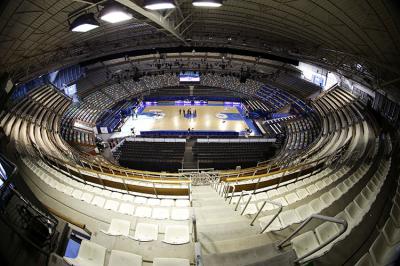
x=237 y=204
x=247 y=203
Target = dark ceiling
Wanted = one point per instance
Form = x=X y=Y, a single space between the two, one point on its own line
x=338 y=34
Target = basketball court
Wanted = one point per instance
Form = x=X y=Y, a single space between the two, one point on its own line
x=212 y=117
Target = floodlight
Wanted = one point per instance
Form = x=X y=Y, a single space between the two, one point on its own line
x=115 y=13
x=159 y=4
x=84 y=23
x=207 y=3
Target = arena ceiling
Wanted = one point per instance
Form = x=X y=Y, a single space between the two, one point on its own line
x=357 y=36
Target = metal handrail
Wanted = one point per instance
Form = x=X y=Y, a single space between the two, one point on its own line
x=240 y=197
x=273 y=218
x=247 y=203
x=319 y=217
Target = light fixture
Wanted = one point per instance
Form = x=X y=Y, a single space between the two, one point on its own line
x=114 y=13
x=207 y=3
x=159 y=4
x=84 y=23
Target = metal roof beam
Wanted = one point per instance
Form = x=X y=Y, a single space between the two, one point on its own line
x=154 y=17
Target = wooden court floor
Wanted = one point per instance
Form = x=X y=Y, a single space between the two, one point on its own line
x=206 y=118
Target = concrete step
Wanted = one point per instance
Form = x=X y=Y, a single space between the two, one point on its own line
x=225 y=231
x=262 y=255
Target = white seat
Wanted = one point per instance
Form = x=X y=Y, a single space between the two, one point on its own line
x=68 y=190
x=106 y=193
x=89 y=254
x=302 y=193
x=129 y=198
x=182 y=203
x=126 y=208
x=140 y=200
x=362 y=202
x=180 y=214
x=380 y=251
x=176 y=234
x=365 y=260
x=304 y=243
x=143 y=212
x=153 y=202
x=261 y=196
x=98 y=201
x=77 y=194
x=304 y=211
x=120 y=258
x=250 y=209
x=391 y=232
x=312 y=189
x=116 y=195
x=170 y=262
x=282 y=190
x=272 y=193
x=118 y=227
x=288 y=217
x=326 y=231
x=320 y=185
x=355 y=214
x=146 y=232
x=291 y=198
x=167 y=203
x=336 y=193
x=275 y=225
x=281 y=200
x=327 y=198
x=342 y=188
x=160 y=213
x=87 y=197
x=316 y=205
x=111 y=205
x=267 y=207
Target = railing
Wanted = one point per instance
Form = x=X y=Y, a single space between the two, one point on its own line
x=280 y=207
x=330 y=240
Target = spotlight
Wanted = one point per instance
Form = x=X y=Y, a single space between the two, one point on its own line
x=84 y=23
x=159 y=4
x=115 y=13
x=207 y=3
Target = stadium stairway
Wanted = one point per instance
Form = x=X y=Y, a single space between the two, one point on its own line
x=189 y=162
x=226 y=237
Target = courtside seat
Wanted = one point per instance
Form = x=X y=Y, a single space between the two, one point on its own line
x=304 y=211
x=365 y=260
x=176 y=234
x=143 y=212
x=160 y=213
x=111 y=205
x=118 y=227
x=126 y=208
x=98 y=201
x=274 y=226
x=120 y=258
x=146 y=232
x=170 y=262
x=304 y=243
x=288 y=217
x=381 y=252
x=89 y=254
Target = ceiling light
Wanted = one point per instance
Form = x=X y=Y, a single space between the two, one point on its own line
x=115 y=13
x=159 y=4
x=84 y=23
x=207 y=3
